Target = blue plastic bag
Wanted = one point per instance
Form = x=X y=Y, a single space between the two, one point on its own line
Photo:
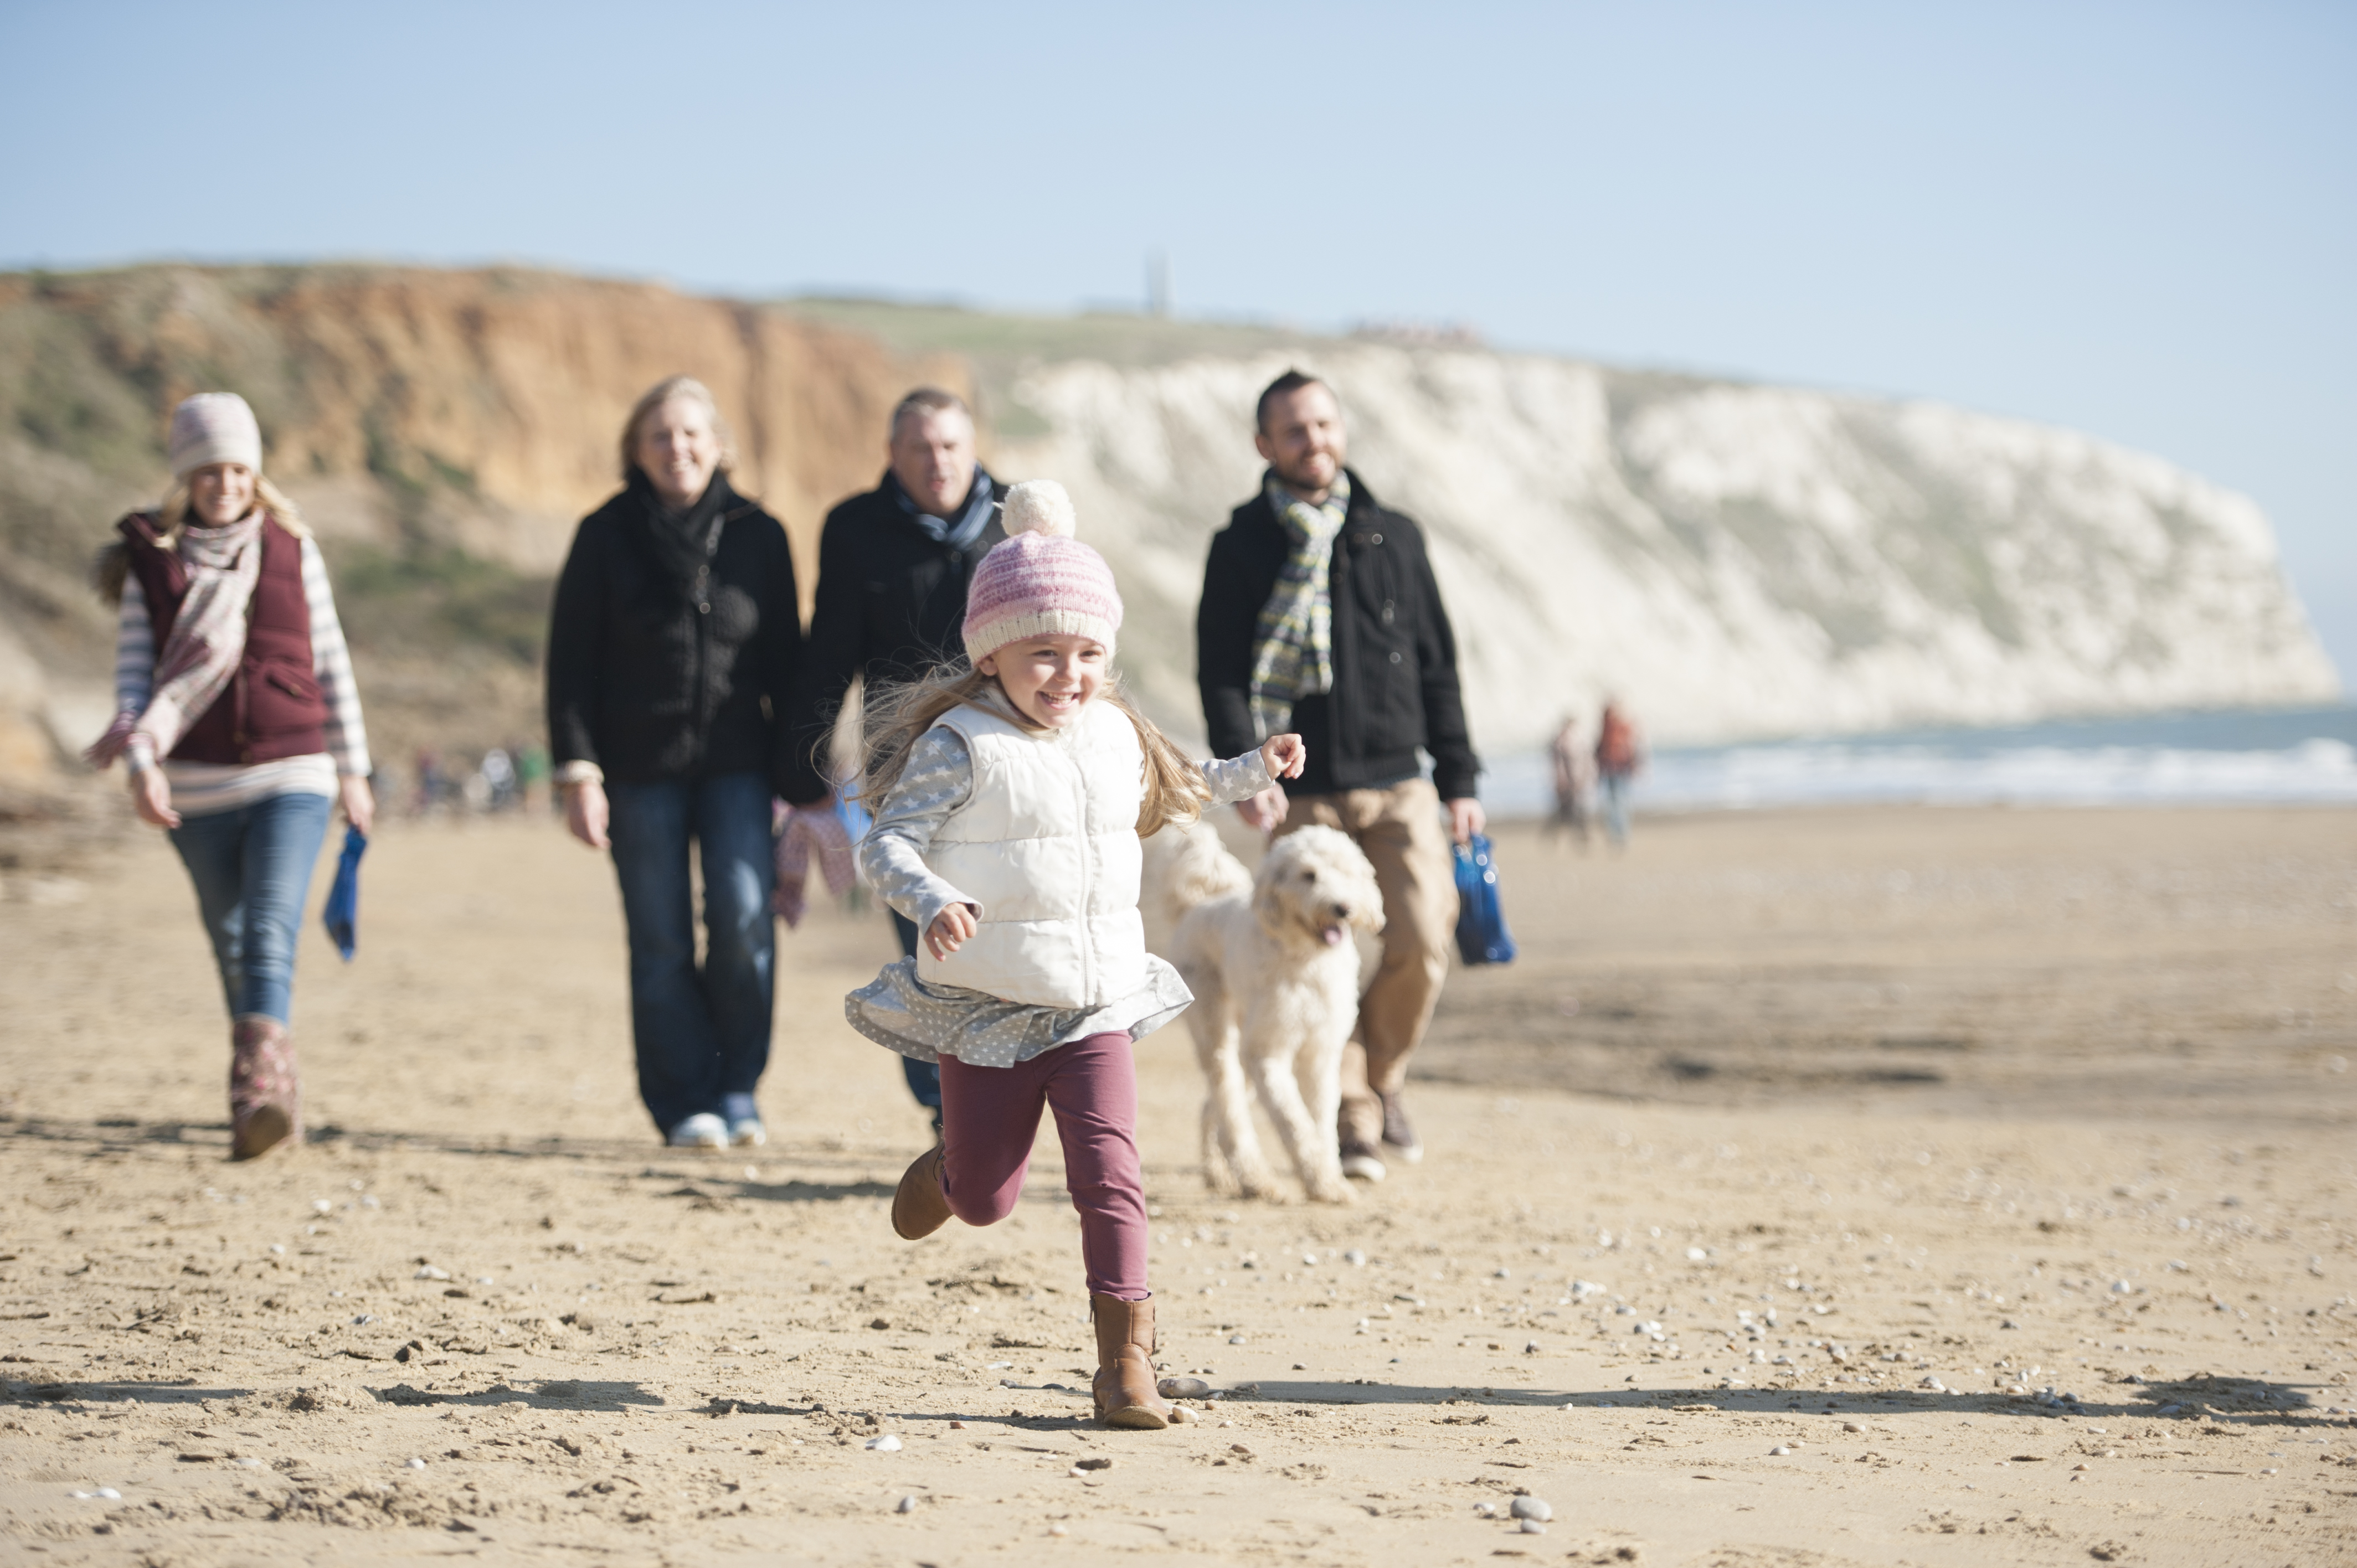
x=1481 y=934
x=341 y=915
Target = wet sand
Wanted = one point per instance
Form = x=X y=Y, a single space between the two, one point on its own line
x=1935 y=1187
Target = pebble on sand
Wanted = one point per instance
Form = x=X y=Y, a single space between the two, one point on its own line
x=906 y=1505
x=1533 y=1527
x=1531 y=1508
x=1183 y=1388
x=428 y=1271
x=887 y=1443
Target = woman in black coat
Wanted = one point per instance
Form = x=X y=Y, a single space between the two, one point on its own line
x=671 y=649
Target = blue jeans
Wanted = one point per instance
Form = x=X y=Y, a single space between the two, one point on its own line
x=924 y=1078
x=253 y=871
x=703 y=1036
x=1616 y=807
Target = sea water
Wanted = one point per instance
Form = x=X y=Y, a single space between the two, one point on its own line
x=2289 y=756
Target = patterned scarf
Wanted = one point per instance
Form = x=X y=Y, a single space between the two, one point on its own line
x=200 y=654
x=957 y=532
x=1293 y=648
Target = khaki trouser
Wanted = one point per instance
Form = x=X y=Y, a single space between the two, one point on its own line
x=1399 y=830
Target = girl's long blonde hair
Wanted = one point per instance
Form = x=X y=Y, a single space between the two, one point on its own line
x=896 y=715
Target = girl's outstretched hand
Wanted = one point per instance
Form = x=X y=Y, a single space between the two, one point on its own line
x=949 y=929
x=1285 y=754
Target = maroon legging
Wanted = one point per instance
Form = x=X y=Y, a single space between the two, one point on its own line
x=990 y=1116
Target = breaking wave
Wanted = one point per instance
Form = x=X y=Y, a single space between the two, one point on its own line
x=2306 y=757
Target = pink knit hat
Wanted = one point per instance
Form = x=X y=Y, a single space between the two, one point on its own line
x=1039 y=581
x=214 y=427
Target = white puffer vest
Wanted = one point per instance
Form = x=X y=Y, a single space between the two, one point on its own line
x=1048 y=844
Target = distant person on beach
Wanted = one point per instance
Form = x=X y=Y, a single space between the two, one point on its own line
x=1319 y=616
x=1573 y=771
x=893 y=564
x=532 y=775
x=237 y=720
x=432 y=787
x=672 y=642
x=1618 y=758
x=499 y=779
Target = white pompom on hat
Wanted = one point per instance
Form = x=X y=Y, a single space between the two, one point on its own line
x=1039 y=505
x=1039 y=581
x=214 y=427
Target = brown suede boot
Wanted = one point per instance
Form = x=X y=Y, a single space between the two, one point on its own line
x=265 y=1096
x=919 y=1206
x=1125 y=1380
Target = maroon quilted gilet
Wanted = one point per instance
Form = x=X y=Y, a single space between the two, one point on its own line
x=272 y=708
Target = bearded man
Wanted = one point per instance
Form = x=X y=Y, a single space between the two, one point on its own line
x=1321 y=616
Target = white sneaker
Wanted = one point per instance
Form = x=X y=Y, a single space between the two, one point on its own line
x=1362 y=1163
x=700 y=1131
x=746 y=1133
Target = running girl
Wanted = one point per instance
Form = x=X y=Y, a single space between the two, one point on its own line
x=1011 y=794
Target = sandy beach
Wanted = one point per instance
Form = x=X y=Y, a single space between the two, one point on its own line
x=1904 y=1187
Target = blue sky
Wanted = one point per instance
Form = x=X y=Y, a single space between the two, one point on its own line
x=2138 y=220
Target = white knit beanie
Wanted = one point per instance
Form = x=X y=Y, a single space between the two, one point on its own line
x=214 y=427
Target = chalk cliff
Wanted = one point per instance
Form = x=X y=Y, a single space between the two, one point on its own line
x=1734 y=560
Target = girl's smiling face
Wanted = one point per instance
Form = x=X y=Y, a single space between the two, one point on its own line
x=1049 y=678
x=220 y=493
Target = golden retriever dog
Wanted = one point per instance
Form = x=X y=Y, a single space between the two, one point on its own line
x=1275 y=976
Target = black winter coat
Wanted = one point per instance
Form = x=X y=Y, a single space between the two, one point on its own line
x=1394 y=655
x=669 y=657
x=891 y=604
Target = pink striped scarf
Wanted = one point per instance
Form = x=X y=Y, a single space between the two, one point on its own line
x=207 y=639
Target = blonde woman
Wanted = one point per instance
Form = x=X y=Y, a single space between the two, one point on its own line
x=671 y=649
x=237 y=718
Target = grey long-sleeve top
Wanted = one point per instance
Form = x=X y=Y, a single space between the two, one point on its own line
x=899 y=1011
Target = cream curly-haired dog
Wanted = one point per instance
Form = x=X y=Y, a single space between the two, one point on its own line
x=1275 y=977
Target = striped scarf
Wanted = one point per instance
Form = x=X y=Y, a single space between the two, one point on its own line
x=201 y=653
x=1293 y=648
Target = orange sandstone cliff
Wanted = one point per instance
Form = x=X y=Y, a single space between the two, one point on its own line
x=443 y=431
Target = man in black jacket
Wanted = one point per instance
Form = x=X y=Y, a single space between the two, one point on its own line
x=1320 y=615
x=892 y=570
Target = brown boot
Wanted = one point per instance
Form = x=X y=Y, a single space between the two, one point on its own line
x=920 y=1208
x=265 y=1097
x=1125 y=1380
